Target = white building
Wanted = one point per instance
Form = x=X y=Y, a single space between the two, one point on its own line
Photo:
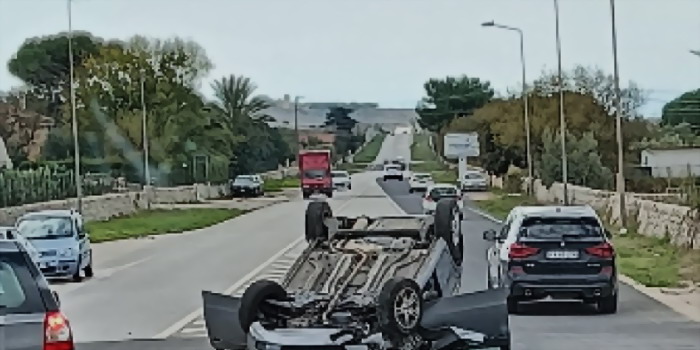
x=673 y=163
x=5 y=161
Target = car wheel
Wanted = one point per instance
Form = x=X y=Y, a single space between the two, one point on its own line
x=76 y=276
x=329 y=194
x=399 y=308
x=254 y=298
x=513 y=306
x=446 y=215
x=89 y=273
x=410 y=190
x=607 y=305
x=316 y=228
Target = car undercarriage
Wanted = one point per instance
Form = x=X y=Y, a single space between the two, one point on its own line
x=369 y=282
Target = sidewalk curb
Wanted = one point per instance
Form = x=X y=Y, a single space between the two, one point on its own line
x=652 y=293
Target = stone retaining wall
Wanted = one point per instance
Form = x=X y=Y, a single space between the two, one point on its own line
x=681 y=224
x=97 y=208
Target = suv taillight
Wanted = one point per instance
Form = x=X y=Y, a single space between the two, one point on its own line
x=520 y=251
x=603 y=250
x=57 y=332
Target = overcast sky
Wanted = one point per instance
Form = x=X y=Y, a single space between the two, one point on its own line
x=383 y=50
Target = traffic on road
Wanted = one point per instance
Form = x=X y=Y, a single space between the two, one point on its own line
x=153 y=196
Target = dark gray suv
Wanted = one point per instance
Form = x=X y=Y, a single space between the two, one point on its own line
x=30 y=317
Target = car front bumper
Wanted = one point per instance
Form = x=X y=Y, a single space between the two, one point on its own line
x=58 y=268
x=562 y=286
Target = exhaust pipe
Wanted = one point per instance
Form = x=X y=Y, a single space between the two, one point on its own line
x=528 y=292
x=596 y=292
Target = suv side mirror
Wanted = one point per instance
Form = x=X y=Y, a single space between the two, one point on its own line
x=55 y=296
x=490 y=235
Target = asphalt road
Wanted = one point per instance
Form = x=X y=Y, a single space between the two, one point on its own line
x=641 y=323
x=148 y=289
x=145 y=289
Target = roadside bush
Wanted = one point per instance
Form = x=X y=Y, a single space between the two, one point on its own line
x=513 y=181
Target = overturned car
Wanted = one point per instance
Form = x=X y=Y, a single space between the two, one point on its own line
x=365 y=283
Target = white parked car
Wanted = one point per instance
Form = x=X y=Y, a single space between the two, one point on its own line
x=341 y=179
x=393 y=171
x=474 y=180
x=420 y=182
x=10 y=233
x=439 y=191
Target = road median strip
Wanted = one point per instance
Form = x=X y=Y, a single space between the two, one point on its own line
x=158 y=222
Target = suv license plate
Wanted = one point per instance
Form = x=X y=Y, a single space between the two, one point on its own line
x=562 y=254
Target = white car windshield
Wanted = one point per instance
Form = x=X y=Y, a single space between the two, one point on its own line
x=45 y=227
x=473 y=176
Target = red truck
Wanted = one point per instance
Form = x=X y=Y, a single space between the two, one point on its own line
x=315 y=172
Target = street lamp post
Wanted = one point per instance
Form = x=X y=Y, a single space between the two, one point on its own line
x=144 y=127
x=525 y=100
x=618 y=112
x=74 y=121
x=562 y=121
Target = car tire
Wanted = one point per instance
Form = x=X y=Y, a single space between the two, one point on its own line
x=410 y=190
x=513 y=306
x=607 y=305
x=329 y=194
x=445 y=212
x=399 y=308
x=77 y=277
x=315 y=228
x=254 y=298
x=89 y=273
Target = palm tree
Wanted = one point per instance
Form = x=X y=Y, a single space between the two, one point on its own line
x=235 y=98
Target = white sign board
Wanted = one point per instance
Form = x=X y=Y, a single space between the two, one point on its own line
x=461 y=145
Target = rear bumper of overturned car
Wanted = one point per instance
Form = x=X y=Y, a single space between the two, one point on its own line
x=320 y=338
x=260 y=338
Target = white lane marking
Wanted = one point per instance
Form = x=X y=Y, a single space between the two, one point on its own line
x=100 y=275
x=241 y=282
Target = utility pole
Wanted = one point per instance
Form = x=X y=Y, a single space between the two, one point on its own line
x=144 y=128
x=562 y=121
x=526 y=108
x=76 y=146
x=618 y=112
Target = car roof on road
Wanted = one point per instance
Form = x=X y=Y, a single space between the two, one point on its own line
x=557 y=211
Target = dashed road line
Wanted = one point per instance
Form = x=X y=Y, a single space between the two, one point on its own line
x=274 y=271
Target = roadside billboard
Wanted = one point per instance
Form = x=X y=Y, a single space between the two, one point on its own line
x=461 y=145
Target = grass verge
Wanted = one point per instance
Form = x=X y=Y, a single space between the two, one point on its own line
x=369 y=153
x=502 y=203
x=276 y=185
x=157 y=222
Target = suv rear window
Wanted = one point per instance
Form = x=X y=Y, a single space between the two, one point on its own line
x=19 y=292
x=542 y=227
